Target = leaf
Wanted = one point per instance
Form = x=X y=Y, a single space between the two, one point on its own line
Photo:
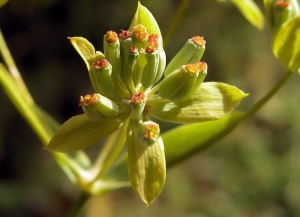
x=212 y=101
x=187 y=140
x=251 y=12
x=144 y=16
x=286 y=44
x=80 y=132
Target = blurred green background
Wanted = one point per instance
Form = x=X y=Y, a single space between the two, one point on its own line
x=253 y=172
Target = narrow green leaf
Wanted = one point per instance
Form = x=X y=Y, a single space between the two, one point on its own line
x=187 y=140
x=212 y=101
x=80 y=132
x=144 y=16
x=251 y=12
x=286 y=44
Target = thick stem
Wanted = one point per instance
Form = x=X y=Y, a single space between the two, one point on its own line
x=77 y=207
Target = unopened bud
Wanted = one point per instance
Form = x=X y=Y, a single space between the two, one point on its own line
x=137 y=105
x=111 y=46
x=100 y=73
x=183 y=82
x=129 y=67
x=156 y=62
x=191 y=52
x=98 y=108
x=280 y=11
x=149 y=132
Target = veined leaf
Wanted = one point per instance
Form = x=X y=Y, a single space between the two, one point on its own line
x=186 y=140
x=80 y=132
x=212 y=101
x=286 y=44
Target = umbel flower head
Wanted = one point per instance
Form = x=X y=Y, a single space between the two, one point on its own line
x=133 y=85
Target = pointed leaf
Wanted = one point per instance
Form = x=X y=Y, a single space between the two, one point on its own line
x=187 y=140
x=144 y=16
x=80 y=132
x=286 y=44
x=251 y=12
x=212 y=101
x=85 y=49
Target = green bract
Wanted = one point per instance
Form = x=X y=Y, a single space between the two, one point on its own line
x=129 y=88
x=286 y=44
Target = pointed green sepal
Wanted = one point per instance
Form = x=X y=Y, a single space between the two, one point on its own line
x=183 y=82
x=144 y=17
x=146 y=162
x=212 y=101
x=286 y=44
x=191 y=52
x=80 y=132
x=86 y=50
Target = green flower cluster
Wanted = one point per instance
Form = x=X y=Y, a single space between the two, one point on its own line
x=133 y=84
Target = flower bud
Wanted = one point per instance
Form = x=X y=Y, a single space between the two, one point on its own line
x=140 y=35
x=183 y=82
x=280 y=11
x=156 y=62
x=100 y=73
x=137 y=105
x=111 y=46
x=148 y=133
x=129 y=69
x=112 y=53
x=126 y=43
x=191 y=52
x=98 y=108
x=146 y=161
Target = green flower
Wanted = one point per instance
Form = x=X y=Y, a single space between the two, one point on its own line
x=129 y=88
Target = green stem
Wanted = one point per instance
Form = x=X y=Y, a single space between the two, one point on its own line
x=118 y=147
x=10 y=63
x=269 y=95
x=175 y=22
x=77 y=207
x=24 y=107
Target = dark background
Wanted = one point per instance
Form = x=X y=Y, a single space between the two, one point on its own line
x=255 y=171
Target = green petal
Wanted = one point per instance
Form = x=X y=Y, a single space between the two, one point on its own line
x=187 y=140
x=144 y=16
x=251 y=12
x=80 y=132
x=286 y=44
x=212 y=101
